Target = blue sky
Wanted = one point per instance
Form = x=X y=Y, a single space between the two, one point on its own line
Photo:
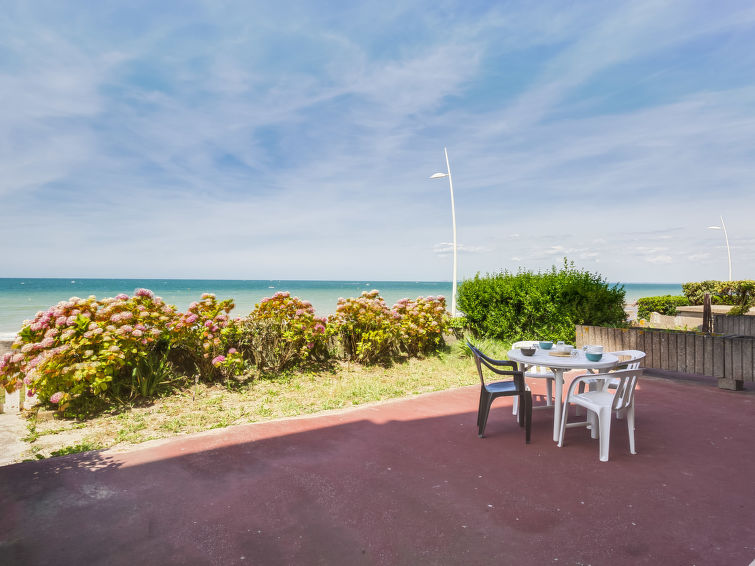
x=294 y=140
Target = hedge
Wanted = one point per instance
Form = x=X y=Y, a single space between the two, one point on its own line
x=543 y=305
x=665 y=304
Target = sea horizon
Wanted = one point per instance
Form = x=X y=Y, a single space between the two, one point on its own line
x=21 y=298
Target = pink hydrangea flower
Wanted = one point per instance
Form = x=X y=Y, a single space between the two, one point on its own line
x=232 y=351
x=144 y=293
x=56 y=397
x=216 y=361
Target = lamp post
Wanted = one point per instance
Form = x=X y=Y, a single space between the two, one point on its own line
x=728 y=249
x=453 y=222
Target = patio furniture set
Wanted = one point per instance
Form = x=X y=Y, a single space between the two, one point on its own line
x=607 y=387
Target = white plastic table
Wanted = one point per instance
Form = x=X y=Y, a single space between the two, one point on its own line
x=559 y=364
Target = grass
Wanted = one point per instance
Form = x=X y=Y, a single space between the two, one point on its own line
x=205 y=407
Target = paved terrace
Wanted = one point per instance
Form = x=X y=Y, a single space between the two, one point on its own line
x=405 y=482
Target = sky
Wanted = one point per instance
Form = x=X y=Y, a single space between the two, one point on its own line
x=295 y=140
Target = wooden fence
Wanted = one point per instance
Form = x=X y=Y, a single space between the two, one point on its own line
x=730 y=359
x=741 y=325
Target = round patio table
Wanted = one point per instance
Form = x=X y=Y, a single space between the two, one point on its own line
x=558 y=365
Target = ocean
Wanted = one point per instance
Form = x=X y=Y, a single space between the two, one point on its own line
x=21 y=299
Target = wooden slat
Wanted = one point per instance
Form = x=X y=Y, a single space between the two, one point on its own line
x=708 y=355
x=677 y=355
x=672 y=349
x=647 y=342
x=748 y=353
x=691 y=343
x=664 y=348
x=718 y=356
x=655 y=347
x=736 y=358
x=699 y=363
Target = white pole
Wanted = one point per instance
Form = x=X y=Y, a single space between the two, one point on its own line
x=728 y=249
x=453 y=222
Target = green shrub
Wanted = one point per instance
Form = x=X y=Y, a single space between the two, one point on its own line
x=202 y=334
x=281 y=332
x=721 y=292
x=365 y=328
x=665 y=304
x=540 y=305
x=84 y=353
x=422 y=323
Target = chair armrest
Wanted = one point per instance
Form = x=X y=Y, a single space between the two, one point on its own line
x=580 y=378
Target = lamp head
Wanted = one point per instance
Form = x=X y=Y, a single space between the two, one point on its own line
x=438 y=175
x=714 y=227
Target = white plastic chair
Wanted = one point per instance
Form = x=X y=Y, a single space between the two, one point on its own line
x=538 y=372
x=600 y=404
x=628 y=359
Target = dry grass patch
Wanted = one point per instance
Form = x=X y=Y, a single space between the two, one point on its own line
x=203 y=407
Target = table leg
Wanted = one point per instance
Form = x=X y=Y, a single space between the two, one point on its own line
x=559 y=373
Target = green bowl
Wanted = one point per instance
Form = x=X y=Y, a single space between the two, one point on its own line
x=546 y=345
x=593 y=357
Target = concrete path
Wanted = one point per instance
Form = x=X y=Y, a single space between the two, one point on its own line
x=406 y=482
x=12 y=430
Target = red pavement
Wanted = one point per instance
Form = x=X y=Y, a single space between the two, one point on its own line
x=406 y=482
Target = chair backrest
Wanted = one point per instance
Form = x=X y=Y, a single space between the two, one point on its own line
x=627 y=381
x=494 y=365
x=525 y=344
x=629 y=359
x=539 y=371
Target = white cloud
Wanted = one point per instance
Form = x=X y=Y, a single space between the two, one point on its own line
x=300 y=142
x=659 y=259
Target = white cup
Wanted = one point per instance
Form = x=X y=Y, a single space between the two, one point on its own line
x=595 y=349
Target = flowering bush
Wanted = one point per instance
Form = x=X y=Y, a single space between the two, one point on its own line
x=80 y=346
x=422 y=323
x=283 y=331
x=85 y=348
x=202 y=334
x=367 y=328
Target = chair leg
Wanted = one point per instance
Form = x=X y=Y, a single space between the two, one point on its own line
x=580 y=390
x=630 y=427
x=522 y=408
x=479 y=407
x=592 y=418
x=481 y=412
x=515 y=406
x=528 y=416
x=604 y=423
x=564 y=415
x=486 y=412
x=549 y=387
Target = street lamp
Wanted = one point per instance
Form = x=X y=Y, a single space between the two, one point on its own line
x=728 y=249
x=453 y=221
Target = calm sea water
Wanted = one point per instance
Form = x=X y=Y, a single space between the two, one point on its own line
x=20 y=299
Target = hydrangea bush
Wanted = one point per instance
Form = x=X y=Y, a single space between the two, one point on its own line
x=368 y=331
x=422 y=323
x=202 y=334
x=79 y=346
x=283 y=331
x=84 y=348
